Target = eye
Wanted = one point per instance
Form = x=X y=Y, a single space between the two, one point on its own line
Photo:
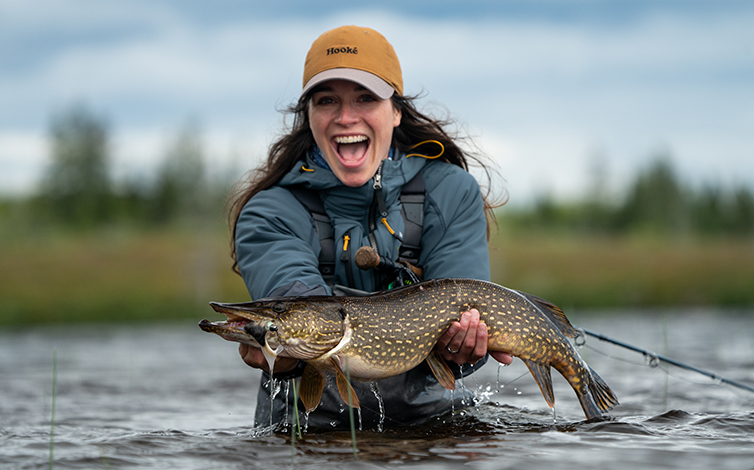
x=278 y=307
x=367 y=98
x=324 y=100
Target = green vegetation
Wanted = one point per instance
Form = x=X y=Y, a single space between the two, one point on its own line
x=114 y=274
x=589 y=271
x=86 y=248
x=130 y=274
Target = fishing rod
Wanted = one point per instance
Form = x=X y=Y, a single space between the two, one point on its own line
x=655 y=358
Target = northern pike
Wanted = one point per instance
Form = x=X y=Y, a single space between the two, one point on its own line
x=385 y=334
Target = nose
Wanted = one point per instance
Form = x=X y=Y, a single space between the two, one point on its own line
x=347 y=114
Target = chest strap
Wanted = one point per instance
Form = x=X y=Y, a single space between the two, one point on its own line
x=412 y=209
x=311 y=201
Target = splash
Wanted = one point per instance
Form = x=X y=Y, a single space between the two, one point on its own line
x=376 y=392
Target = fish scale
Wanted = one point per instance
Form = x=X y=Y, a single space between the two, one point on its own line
x=385 y=334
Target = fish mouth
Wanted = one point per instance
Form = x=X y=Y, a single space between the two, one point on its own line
x=230 y=330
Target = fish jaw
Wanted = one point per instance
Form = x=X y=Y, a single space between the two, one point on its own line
x=231 y=330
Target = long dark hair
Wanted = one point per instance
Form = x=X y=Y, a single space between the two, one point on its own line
x=414 y=128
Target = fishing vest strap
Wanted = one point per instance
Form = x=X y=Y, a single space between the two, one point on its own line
x=412 y=209
x=311 y=201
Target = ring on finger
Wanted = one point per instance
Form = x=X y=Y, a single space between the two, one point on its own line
x=451 y=351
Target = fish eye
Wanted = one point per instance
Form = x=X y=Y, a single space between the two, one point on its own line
x=278 y=307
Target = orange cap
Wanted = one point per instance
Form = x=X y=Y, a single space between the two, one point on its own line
x=357 y=54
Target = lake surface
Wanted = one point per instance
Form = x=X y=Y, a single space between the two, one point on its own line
x=172 y=396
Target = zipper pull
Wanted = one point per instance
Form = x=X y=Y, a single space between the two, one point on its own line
x=378 y=176
x=345 y=242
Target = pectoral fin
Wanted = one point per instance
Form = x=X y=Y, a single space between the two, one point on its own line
x=311 y=387
x=347 y=393
x=440 y=369
x=541 y=373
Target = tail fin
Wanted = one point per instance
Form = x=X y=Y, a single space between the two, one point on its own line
x=605 y=398
x=598 y=398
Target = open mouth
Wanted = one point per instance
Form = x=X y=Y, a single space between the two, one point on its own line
x=351 y=149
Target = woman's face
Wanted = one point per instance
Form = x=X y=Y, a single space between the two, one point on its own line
x=353 y=128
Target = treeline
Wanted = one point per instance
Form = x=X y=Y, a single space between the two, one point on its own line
x=78 y=188
x=656 y=203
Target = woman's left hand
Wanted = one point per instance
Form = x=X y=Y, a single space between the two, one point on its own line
x=465 y=341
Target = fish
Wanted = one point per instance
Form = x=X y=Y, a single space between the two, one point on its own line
x=384 y=334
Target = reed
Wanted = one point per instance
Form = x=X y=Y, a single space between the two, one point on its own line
x=295 y=424
x=350 y=414
x=54 y=393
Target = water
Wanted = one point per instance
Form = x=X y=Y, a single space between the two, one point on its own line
x=171 y=396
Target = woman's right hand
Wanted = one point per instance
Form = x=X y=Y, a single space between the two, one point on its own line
x=253 y=357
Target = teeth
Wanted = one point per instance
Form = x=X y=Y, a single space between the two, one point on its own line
x=350 y=139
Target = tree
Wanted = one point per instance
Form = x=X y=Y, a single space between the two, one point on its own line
x=743 y=211
x=656 y=202
x=181 y=189
x=77 y=185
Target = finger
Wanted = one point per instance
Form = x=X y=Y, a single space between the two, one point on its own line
x=446 y=337
x=456 y=342
x=457 y=349
x=480 y=348
x=470 y=340
x=501 y=357
x=253 y=357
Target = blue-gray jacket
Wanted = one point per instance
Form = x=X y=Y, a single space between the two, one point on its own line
x=277 y=249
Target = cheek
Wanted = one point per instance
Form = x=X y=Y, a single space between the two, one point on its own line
x=317 y=124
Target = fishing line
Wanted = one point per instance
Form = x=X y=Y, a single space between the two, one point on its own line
x=620 y=359
x=654 y=359
x=520 y=376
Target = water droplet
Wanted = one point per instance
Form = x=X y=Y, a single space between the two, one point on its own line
x=376 y=392
x=652 y=360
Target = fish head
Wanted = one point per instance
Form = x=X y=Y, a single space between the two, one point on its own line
x=298 y=327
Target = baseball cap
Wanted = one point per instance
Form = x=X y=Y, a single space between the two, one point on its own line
x=357 y=54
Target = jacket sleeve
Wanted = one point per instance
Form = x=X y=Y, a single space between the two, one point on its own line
x=454 y=236
x=277 y=246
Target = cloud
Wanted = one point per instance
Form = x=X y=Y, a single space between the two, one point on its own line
x=540 y=92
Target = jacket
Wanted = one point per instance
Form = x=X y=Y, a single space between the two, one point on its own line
x=277 y=250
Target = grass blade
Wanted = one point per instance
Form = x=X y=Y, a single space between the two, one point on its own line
x=54 y=392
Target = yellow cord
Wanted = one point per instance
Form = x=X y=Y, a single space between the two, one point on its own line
x=345 y=242
x=442 y=149
x=305 y=168
x=389 y=228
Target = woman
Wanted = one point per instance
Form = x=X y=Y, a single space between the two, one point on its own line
x=351 y=142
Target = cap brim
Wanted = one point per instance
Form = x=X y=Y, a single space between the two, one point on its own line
x=371 y=82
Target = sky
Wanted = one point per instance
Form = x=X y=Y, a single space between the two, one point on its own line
x=558 y=94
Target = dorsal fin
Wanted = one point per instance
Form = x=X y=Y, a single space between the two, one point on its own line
x=554 y=313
